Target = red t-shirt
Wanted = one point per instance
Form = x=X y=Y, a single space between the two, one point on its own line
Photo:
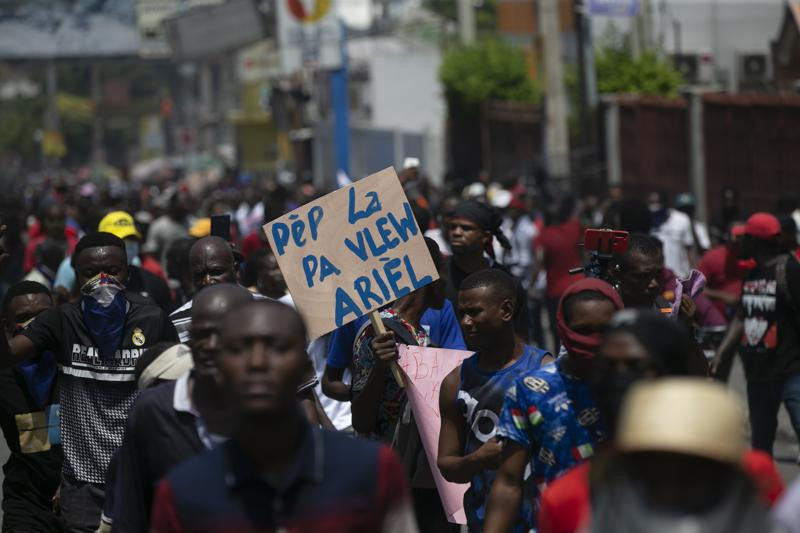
x=255 y=240
x=721 y=269
x=565 y=504
x=561 y=253
x=152 y=266
x=29 y=261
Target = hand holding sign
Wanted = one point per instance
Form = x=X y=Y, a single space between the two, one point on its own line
x=391 y=351
x=351 y=252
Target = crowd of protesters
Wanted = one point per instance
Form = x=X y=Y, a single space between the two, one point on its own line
x=156 y=376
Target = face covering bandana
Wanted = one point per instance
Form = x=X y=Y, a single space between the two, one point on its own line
x=104 y=307
x=578 y=344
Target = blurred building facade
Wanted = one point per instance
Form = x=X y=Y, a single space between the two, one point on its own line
x=719 y=43
x=396 y=108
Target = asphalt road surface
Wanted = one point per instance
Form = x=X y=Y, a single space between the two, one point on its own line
x=785 y=451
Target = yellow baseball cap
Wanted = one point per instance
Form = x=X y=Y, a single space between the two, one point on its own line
x=119 y=223
x=201 y=228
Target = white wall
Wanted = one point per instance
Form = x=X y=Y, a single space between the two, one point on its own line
x=405 y=89
x=404 y=92
x=722 y=28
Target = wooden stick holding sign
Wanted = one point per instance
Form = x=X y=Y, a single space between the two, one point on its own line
x=380 y=329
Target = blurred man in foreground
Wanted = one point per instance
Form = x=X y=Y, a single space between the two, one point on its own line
x=640 y=346
x=175 y=421
x=677 y=467
x=309 y=479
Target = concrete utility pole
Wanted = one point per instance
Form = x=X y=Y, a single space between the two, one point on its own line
x=98 y=149
x=556 y=147
x=340 y=79
x=612 y=143
x=697 y=161
x=588 y=79
x=466 y=21
x=51 y=120
x=641 y=30
x=207 y=125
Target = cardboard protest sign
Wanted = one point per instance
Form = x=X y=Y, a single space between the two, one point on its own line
x=424 y=370
x=351 y=252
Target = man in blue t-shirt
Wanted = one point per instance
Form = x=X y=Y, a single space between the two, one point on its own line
x=471 y=397
x=440 y=324
x=307 y=479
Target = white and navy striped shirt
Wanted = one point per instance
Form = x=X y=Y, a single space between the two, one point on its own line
x=182 y=318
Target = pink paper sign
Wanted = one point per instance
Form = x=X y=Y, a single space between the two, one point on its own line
x=424 y=369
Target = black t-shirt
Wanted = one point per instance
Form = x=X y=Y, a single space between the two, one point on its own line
x=95 y=395
x=455 y=276
x=150 y=286
x=157 y=439
x=33 y=471
x=770 y=344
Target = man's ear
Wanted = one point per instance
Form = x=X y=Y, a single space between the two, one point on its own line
x=507 y=309
x=238 y=258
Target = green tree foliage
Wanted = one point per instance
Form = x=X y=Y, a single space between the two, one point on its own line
x=21 y=119
x=488 y=70
x=619 y=72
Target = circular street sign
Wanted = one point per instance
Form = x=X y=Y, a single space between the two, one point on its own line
x=319 y=8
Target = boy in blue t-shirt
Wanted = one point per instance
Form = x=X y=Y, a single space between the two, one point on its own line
x=471 y=397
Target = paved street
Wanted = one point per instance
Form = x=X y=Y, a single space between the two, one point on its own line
x=786 y=448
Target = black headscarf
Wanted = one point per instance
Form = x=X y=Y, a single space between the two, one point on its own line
x=665 y=340
x=485 y=217
x=666 y=345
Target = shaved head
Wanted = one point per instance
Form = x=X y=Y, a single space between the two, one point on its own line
x=210 y=246
x=211 y=261
x=209 y=306
x=217 y=299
